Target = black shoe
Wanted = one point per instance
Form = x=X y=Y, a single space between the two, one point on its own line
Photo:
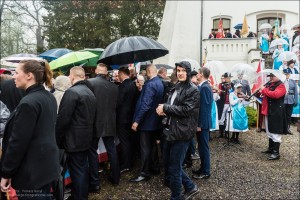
x=189 y=194
x=140 y=178
x=125 y=170
x=237 y=141
x=198 y=172
x=201 y=176
x=94 y=189
x=221 y=135
x=275 y=154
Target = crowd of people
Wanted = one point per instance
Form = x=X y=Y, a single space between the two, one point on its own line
x=148 y=112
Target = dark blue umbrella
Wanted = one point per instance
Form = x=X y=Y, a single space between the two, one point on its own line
x=239 y=26
x=53 y=54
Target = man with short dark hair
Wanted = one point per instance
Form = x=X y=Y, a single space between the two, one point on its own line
x=74 y=129
x=181 y=110
x=204 y=124
x=127 y=97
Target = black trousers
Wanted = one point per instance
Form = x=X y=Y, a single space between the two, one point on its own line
x=149 y=155
x=126 y=137
x=109 y=143
x=78 y=166
x=288 y=111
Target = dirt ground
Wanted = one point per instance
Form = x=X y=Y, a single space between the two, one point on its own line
x=235 y=174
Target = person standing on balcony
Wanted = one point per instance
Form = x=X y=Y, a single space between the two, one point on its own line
x=264 y=42
x=228 y=34
x=237 y=34
x=276 y=62
x=212 y=35
x=284 y=35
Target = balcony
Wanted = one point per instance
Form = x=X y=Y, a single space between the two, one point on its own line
x=233 y=50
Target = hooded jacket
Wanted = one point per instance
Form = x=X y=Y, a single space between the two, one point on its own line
x=182 y=115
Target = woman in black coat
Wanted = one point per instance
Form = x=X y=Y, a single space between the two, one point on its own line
x=30 y=160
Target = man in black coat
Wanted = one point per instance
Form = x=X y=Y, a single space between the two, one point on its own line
x=105 y=126
x=127 y=98
x=74 y=130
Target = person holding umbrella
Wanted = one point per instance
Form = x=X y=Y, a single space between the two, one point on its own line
x=264 y=42
x=274 y=113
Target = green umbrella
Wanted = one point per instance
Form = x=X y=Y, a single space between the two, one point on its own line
x=93 y=61
x=72 y=58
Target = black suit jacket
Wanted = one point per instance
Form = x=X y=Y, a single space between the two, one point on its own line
x=10 y=94
x=128 y=94
x=30 y=154
x=107 y=96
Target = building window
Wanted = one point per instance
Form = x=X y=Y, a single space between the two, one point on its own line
x=270 y=20
x=226 y=24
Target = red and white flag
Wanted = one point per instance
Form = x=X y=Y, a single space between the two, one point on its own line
x=259 y=81
x=220 y=33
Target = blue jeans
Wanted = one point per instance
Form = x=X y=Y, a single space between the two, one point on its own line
x=174 y=154
x=203 y=140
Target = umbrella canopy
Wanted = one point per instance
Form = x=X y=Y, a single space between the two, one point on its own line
x=296 y=27
x=194 y=64
x=265 y=26
x=16 y=58
x=71 y=58
x=239 y=26
x=93 y=61
x=296 y=41
x=286 y=56
x=285 y=27
x=248 y=72
x=217 y=69
x=277 y=73
x=53 y=54
x=277 y=42
x=131 y=50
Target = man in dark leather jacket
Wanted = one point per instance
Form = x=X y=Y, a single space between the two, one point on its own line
x=182 y=111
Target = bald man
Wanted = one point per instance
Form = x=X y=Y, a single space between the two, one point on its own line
x=74 y=129
x=147 y=122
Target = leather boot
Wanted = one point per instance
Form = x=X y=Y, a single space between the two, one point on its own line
x=232 y=137
x=270 y=149
x=237 y=141
x=275 y=154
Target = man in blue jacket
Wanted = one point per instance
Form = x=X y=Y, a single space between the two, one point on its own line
x=204 y=124
x=146 y=121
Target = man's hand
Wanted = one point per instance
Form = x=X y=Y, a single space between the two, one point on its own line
x=134 y=126
x=5 y=184
x=160 y=110
x=198 y=129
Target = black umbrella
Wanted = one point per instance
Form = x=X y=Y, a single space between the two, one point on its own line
x=158 y=66
x=131 y=50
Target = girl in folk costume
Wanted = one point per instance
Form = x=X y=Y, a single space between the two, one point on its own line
x=214 y=111
x=238 y=120
x=264 y=42
x=284 y=65
x=276 y=62
x=284 y=35
x=291 y=69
